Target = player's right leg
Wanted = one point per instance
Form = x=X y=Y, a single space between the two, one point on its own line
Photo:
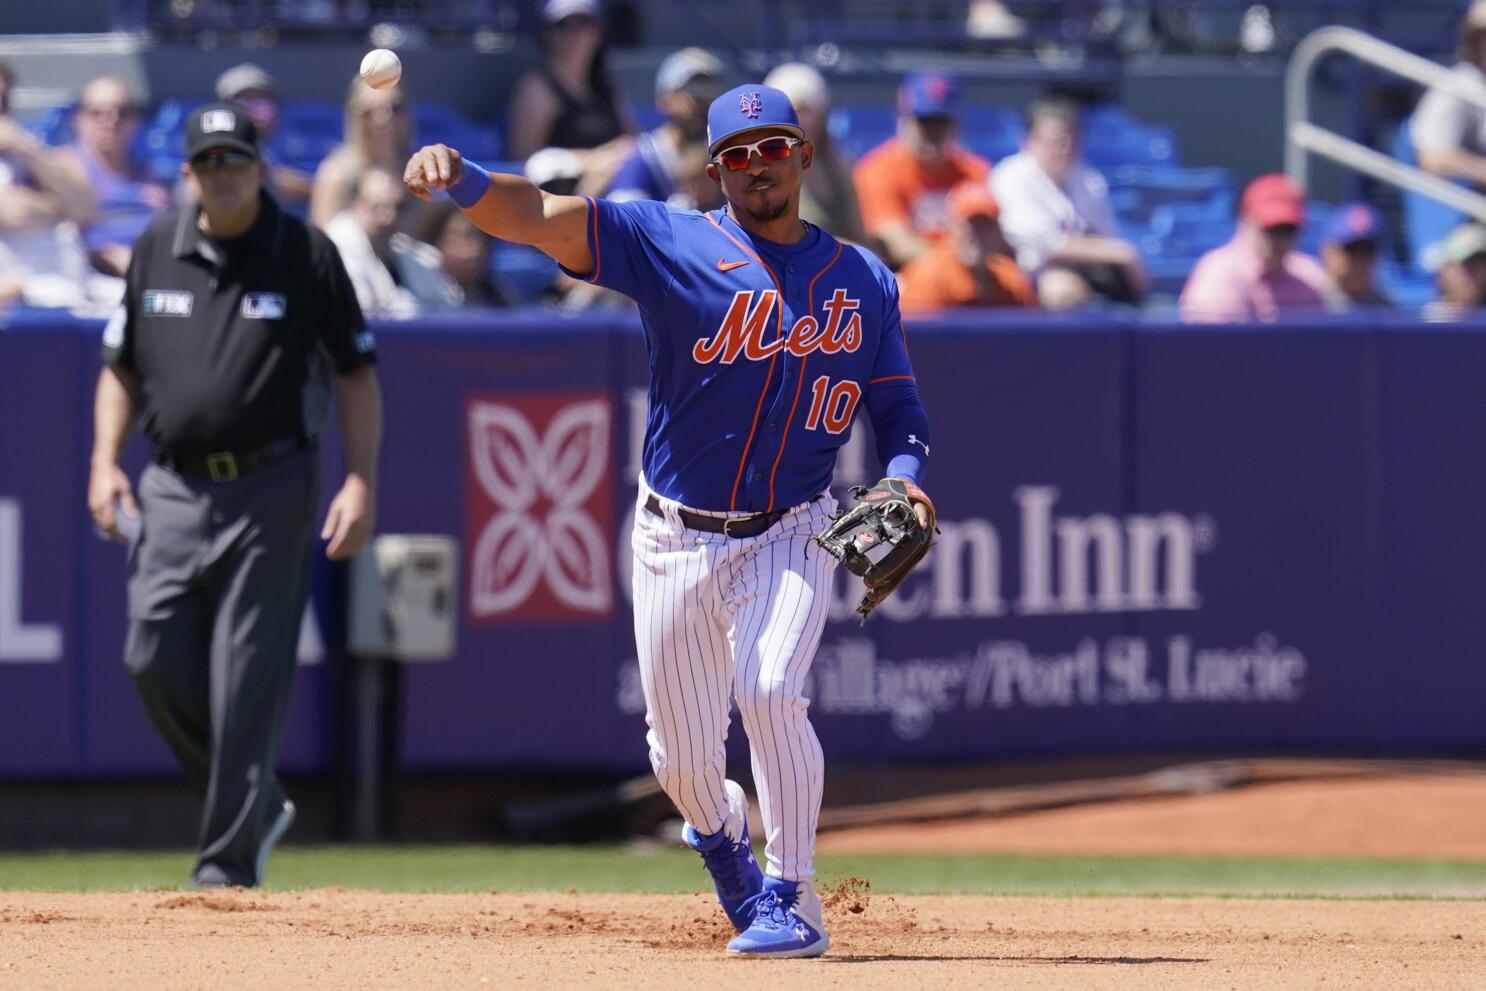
x=685 y=663
x=686 y=667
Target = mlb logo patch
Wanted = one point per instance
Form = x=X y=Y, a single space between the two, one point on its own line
x=365 y=342
x=264 y=306
x=218 y=120
x=166 y=303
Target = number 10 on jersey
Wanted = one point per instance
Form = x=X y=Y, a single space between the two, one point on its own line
x=832 y=405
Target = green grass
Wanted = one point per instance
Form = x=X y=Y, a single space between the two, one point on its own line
x=616 y=869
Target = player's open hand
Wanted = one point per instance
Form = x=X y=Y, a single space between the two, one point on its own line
x=432 y=169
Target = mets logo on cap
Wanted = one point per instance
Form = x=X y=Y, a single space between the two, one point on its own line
x=751 y=105
x=218 y=120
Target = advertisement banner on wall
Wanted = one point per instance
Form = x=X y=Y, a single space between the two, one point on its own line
x=1233 y=540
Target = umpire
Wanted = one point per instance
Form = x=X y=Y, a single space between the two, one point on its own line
x=232 y=313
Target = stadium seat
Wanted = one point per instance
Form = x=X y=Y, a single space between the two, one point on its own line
x=1317 y=216
x=993 y=133
x=1409 y=288
x=52 y=125
x=308 y=131
x=164 y=137
x=1114 y=137
x=521 y=272
x=1136 y=191
x=437 y=123
x=858 y=129
x=1179 y=234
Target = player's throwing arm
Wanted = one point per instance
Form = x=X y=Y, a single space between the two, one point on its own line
x=505 y=206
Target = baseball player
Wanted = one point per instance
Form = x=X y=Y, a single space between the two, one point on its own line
x=765 y=336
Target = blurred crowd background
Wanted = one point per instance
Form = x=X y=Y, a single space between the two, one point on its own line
x=984 y=148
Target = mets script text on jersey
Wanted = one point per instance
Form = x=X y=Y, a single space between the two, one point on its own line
x=742 y=330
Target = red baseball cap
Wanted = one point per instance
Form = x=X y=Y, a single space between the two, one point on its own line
x=972 y=199
x=1272 y=200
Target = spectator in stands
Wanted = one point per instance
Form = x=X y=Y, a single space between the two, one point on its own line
x=828 y=197
x=685 y=86
x=42 y=199
x=1349 y=250
x=104 y=126
x=254 y=88
x=569 y=101
x=1449 y=133
x=1459 y=265
x=1056 y=214
x=465 y=250
x=1258 y=275
x=902 y=184
x=970 y=267
x=378 y=129
x=394 y=275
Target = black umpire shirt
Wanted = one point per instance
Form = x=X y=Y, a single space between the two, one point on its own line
x=229 y=339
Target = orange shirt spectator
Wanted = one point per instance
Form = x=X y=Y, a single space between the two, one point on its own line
x=902 y=184
x=972 y=266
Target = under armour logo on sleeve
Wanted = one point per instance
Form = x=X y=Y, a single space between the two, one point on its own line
x=913 y=439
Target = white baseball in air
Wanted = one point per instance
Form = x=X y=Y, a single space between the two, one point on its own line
x=381 y=68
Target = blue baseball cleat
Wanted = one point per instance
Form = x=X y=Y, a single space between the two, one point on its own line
x=729 y=859
x=786 y=923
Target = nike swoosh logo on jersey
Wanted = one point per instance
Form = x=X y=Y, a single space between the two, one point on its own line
x=726 y=266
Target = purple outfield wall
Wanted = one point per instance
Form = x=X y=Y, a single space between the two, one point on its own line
x=1156 y=538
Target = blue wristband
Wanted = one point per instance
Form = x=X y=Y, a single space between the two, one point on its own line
x=908 y=466
x=472 y=184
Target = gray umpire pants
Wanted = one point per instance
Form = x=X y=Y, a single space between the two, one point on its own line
x=217 y=589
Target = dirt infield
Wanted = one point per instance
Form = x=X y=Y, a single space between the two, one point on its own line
x=1400 y=816
x=362 y=940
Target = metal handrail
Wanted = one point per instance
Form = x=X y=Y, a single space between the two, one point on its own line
x=1302 y=137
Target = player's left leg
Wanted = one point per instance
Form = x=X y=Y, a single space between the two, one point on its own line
x=785 y=597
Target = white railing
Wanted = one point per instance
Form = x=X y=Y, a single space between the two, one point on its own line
x=1303 y=138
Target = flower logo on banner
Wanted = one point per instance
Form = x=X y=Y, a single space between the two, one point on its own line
x=539 y=508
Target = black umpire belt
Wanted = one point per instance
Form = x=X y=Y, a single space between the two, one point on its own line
x=228 y=466
x=739 y=527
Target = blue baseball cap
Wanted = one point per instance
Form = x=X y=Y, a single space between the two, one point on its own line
x=928 y=94
x=1352 y=223
x=746 y=107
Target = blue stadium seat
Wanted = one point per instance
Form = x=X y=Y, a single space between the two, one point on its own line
x=858 y=129
x=164 y=137
x=1179 y=234
x=1317 y=217
x=52 y=125
x=1408 y=288
x=1112 y=136
x=484 y=142
x=435 y=123
x=1136 y=191
x=993 y=133
x=521 y=272
x=308 y=131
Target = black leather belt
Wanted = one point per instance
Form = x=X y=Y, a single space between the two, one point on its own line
x=228 y=466
x=735 y=526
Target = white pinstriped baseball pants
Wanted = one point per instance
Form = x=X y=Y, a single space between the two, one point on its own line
x=720 y=618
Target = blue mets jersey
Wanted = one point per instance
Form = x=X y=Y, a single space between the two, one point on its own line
x=760 y=354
